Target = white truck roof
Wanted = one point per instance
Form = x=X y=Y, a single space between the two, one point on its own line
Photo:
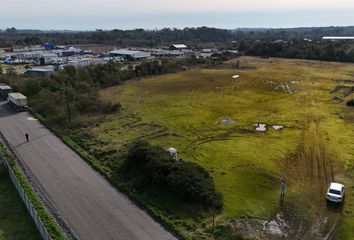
x=17 y=95
x=336 y=186
x=5 y=87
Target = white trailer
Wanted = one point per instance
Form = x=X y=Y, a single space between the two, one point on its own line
x=17 y=100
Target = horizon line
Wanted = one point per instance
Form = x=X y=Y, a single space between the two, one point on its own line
x=178 y=28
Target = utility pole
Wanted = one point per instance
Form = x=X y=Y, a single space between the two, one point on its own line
x=213 y=218
x=67 y=103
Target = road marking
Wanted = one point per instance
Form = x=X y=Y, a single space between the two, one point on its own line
x=31 y=119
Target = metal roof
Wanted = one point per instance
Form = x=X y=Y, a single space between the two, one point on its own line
x=48 y=55
x=5 y=87
x=124 y=52
x=338 y=38
x=17 y=95
x=133 y=54
x=179 y=46
x=40 y=70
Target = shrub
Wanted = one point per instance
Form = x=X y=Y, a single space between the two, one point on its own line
x=350 y=103
x=194 y=183
x=226 y=232
x=109 y=107
x=149 y=164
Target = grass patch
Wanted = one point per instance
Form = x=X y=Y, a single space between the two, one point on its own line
x=183 y=110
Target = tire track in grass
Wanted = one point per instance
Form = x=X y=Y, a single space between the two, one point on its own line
x=309 y=170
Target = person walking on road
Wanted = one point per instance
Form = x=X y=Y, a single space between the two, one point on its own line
x=282 y=188
x=27 y=136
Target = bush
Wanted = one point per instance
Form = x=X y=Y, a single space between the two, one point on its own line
x=226 y=232
x=148 y=164
x=350 y=103
x=109 y=107
x=194 y=183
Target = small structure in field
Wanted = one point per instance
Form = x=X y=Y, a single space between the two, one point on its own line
x=277 y=127
x=173 y=152
x=235 y=76
x=260 y=127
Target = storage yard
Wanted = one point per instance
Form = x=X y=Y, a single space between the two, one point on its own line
x=43 y=60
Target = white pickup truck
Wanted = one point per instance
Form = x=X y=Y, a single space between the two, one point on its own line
x=17 y=100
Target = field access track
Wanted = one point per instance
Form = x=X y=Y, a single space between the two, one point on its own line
x=88 y=203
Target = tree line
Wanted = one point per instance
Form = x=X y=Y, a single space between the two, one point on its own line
x=302 y=43
x=136 y=37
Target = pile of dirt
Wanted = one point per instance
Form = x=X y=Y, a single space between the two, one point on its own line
x=277 y=127
x=262 y=127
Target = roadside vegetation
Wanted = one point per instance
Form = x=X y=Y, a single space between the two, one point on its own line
x=209 y=117
x=15 y=222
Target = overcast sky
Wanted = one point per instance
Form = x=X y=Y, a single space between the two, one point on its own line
x=151 y=14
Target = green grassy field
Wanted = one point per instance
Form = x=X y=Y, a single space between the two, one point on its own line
x=15 y=223
x=184 y=110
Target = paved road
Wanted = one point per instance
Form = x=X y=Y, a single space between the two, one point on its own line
x=89 y=204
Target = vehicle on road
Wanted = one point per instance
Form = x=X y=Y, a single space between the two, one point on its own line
x=4 y=91
x=17 y=101
x=335 y=192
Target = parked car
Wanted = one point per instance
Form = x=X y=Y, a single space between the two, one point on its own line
x=335 y=192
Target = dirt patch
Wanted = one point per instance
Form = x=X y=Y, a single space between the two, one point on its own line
x=350 y=81
x=308 y=171
x=287 y=87
x=226 y=121
x=276 y=227
x=337 y=99
x=345 y=90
